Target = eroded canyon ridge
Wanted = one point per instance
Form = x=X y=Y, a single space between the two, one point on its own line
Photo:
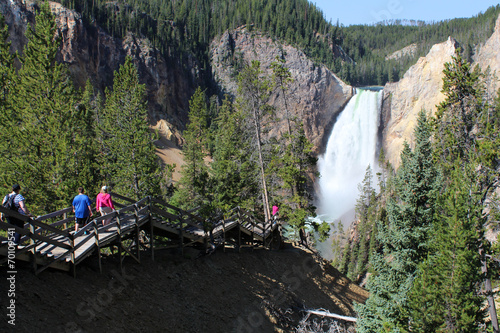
x=317 y=94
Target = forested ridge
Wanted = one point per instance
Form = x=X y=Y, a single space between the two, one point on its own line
x=186 y=28
x=421 y=236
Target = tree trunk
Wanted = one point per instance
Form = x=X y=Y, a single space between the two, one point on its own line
x=286 y=111
x=265 y=198
x=489 y=293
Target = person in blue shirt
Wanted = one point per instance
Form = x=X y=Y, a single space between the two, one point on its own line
x=81 y=208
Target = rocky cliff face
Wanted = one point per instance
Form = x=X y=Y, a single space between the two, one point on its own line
x=420 y=88
x=488 y=56
x=92 y=54
x=316 y=95
x=404 y=52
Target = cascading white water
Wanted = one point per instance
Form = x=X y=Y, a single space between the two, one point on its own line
x=350 y=149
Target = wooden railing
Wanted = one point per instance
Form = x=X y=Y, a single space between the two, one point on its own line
x=56 y=230
x=58 y=234
x=38 y=233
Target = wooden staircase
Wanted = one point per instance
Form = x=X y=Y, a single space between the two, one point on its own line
x=48 y=240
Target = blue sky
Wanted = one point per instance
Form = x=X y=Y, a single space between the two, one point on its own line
x=367 y=12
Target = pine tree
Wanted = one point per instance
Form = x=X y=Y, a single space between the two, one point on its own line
x=129 y=162
x=8 y=116
x=194 y=185
x=87 y=171
x=253 y=91
x=283 y=78
x=458 y=114
x=7 y=71
x=338 y=241
x=446 y=293
x=366 y=196
x=293 y=165
x=345 y=258
x=45 y=104
x=404 y=240
x=293 y=162
x=465 y=131
x=233 y=172
x=489 y=137
x=361 y=246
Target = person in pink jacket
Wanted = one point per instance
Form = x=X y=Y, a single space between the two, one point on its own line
x=104 y=204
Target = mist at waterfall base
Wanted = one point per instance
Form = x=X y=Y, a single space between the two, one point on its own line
x=352 y=146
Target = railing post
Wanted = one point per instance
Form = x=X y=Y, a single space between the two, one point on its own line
x=223 y=233
x=98 y=246
x=239 y=231
x=118 y=231
x=73 y=259
x=253 y=235
x=33 y=249
x=151 y=227
x=264 y=233
x=65 y=225
x=137 y=231
x=181 y=235
x=271 y=224
x=205 y=239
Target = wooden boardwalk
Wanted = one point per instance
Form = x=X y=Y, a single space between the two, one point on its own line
x=49 y=240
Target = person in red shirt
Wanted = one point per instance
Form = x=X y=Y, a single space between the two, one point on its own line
x=104 y=204
x=275 y=211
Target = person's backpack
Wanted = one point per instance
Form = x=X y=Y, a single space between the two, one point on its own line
x=9 y=202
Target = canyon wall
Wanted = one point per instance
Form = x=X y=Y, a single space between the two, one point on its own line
x=488 y=59
x=315 y=96
x=92 y=54
x=420 y=88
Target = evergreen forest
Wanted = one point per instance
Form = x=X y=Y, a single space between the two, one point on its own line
x=185 y=28
x=56 y=138
x=420 y=238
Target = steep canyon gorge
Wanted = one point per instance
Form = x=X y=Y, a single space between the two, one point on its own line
x=316 y=95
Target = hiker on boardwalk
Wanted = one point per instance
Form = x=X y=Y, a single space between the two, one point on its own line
x=81 y=208
x=275 y=212
x=104 y=204
x=20 y=207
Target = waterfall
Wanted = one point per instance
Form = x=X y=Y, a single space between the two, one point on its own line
x=350 y=149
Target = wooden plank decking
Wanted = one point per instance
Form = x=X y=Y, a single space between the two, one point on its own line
x=54 y=245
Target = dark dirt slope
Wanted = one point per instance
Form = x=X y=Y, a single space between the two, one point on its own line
x=224 y=292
